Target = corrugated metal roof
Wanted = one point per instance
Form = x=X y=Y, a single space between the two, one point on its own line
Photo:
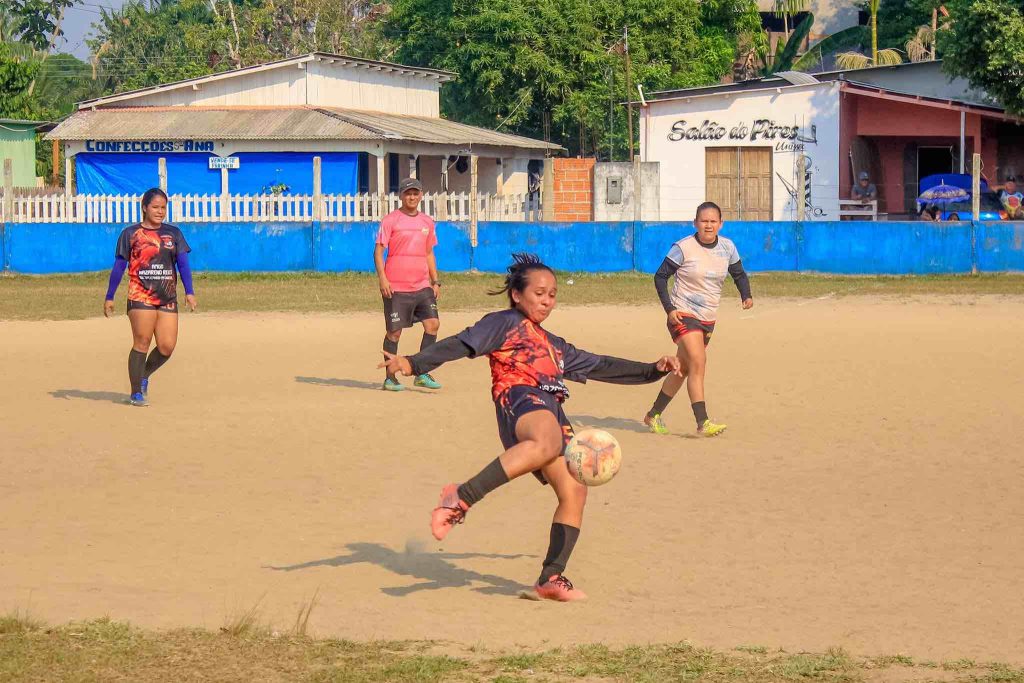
x=276 y=123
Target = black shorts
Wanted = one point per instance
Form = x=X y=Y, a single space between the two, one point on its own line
x=522 y=400
x=405 y=308
x=166 y=306
x=678 y=331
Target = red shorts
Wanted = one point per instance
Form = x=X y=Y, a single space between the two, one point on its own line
x=688 y=325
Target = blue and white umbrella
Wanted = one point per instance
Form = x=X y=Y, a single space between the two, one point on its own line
x=943 y=194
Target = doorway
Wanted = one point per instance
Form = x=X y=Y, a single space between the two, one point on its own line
x=739 y=179
x=932 y=160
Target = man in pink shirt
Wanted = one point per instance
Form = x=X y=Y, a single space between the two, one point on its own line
x=408 y=280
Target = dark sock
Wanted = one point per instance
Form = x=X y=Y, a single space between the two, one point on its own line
x=489 y=478
x=391 y=347
x=428 y=341
x=155 y=360
x=660 y=404
x=136 y=368
x=563 y=540
x=700 y=412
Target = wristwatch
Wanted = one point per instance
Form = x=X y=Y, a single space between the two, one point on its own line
x=435 y=283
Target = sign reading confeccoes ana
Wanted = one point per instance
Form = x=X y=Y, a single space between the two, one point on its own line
x=141 y=146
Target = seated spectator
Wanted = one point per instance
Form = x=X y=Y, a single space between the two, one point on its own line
x=864 y=190
x=1012 y=199
x=931 y=212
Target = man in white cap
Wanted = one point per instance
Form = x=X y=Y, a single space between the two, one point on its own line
x=408 y=281
x=864 y=190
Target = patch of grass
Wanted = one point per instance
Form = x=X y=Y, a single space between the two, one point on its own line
x=19 y=621
x=79 y=296
x=959 y=665
x=106 y=650
x=246 y=622
x=890 y=660
x=301 y=626
x=752 y=649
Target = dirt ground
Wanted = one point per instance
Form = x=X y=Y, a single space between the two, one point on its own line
x=868 y=493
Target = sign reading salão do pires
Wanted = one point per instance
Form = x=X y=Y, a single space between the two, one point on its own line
x=149 y=146
x=758 y=130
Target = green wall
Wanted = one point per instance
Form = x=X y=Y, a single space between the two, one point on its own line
x=18 y=142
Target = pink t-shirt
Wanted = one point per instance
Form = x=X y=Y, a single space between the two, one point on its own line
x=408 y=239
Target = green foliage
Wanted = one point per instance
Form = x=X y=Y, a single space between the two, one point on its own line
x=898 y=20
x=785 y=55
x=520 y=59
x=147 y=43
x=16 y=75
x=985 y=45
x=37 y=22
x=855 y=36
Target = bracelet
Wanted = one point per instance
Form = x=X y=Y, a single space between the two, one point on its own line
x=435 y=283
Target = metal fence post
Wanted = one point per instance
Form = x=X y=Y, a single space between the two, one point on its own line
x=161 y=166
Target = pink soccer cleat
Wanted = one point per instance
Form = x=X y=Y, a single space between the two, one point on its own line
x=560 y=589
x=449 y=512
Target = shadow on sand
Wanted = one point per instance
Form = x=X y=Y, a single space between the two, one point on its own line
x=434 y=570
x=109 y=396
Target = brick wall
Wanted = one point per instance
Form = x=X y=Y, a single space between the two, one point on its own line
x=573 y=189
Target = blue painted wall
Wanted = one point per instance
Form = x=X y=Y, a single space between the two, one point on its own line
x=912 y=248
x=588 y=247
x=1000 y=246
x=830 y=247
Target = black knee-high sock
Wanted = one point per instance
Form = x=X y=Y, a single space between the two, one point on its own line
x=488 y=479
x=563 y=540
x=391 y=347
x=155 y=360
x=136 y=369
x=660 y=404
x=700 y=412
x=428 y=341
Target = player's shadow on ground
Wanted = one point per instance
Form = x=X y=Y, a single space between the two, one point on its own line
x=609 y=423
x=333 y=382
x=353 y=384
x=434 y=569
x=111 y=396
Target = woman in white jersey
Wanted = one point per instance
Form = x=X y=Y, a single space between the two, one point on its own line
x=697 y=266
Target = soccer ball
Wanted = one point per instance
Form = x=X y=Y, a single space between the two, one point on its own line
x=593 y=457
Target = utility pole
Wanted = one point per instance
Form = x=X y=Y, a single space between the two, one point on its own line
x=629 y=89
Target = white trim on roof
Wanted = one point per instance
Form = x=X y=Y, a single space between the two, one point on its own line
x=300 y=62
x=740 y=93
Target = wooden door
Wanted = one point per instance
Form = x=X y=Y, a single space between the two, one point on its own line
x=722 y=172
x=756 y=183
x=739 y=179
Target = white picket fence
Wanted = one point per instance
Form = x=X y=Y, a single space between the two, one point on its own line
x=456 y=206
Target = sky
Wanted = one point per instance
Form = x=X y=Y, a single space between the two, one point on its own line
x=78 y=21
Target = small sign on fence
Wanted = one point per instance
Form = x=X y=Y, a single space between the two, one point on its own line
x=224 y=162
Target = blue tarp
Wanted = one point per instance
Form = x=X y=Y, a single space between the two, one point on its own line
x=189 y=173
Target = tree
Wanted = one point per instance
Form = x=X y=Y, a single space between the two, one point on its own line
x=37 y=22
x=785 y=53
x=145 y=44
x=985 y=45
x=522 y=61
x=856 y=60
x=16 y=75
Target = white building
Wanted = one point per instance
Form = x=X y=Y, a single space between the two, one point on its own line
x=741 y=145
x=371 y=122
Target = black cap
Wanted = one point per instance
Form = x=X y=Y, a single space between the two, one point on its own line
x=409 y=184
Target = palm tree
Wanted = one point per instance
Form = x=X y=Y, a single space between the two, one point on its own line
x=856 y=60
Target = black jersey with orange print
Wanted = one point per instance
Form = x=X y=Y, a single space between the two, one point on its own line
x=151 y=255
x=522 y=353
